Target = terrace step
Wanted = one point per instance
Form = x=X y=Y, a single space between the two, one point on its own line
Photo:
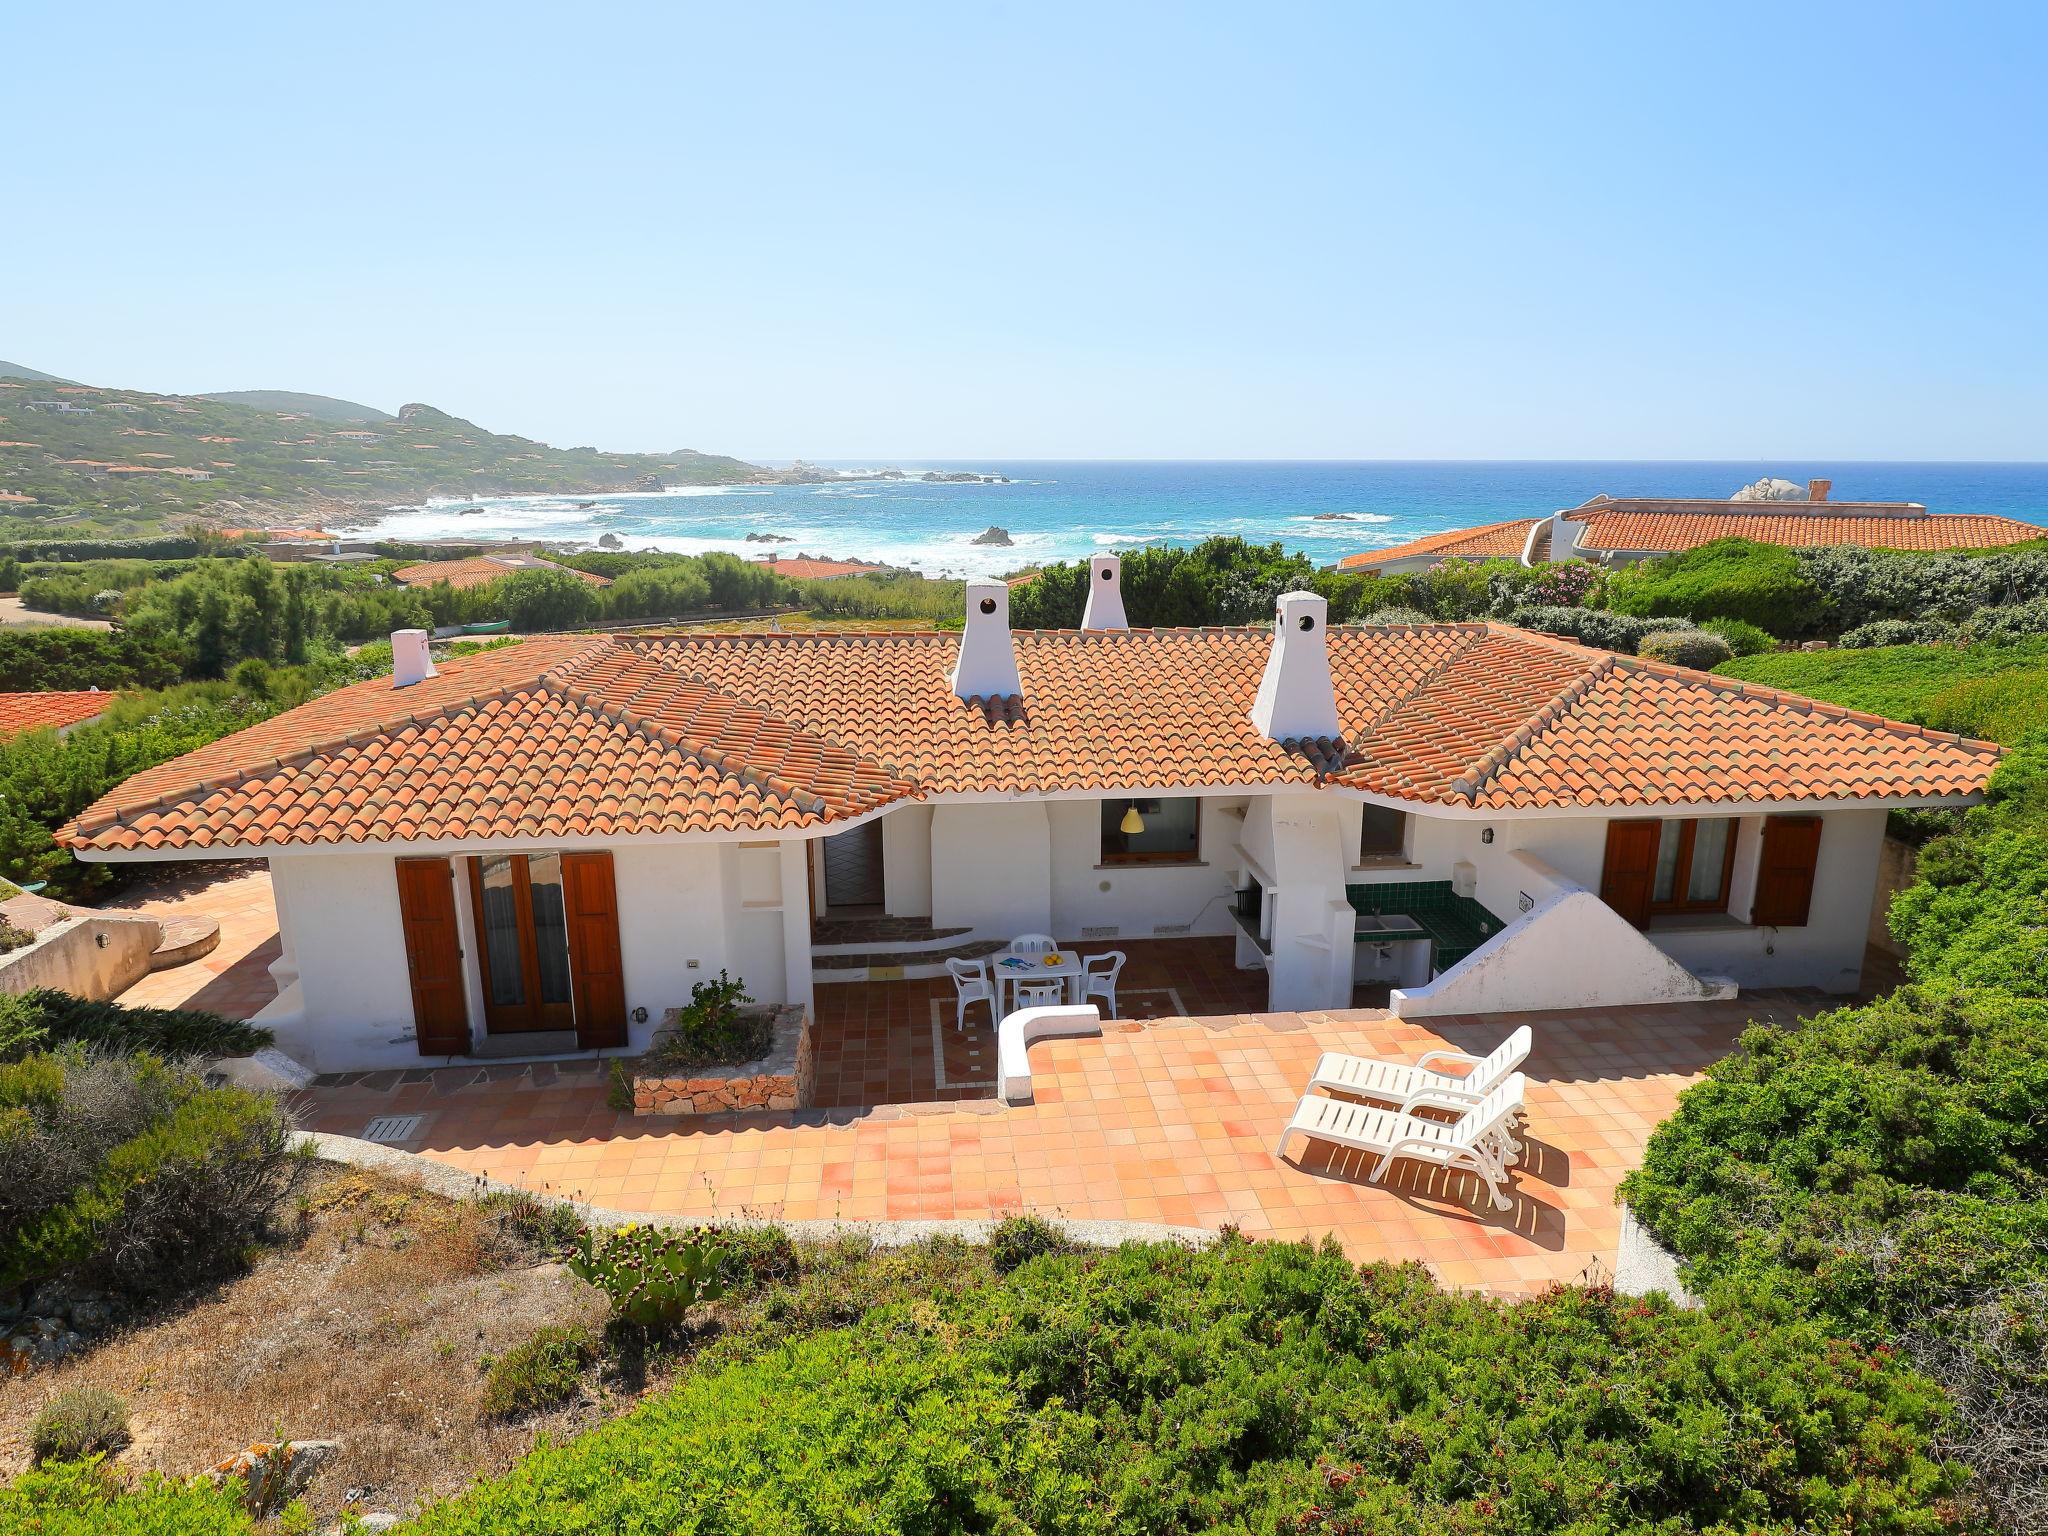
x=185 y=939
x=860 y=935
x=899 y=964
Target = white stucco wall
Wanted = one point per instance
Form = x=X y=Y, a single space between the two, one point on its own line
x=907 y=861
x=992 y=868
x=1138 y=900
x=354 y=989
x=88 y=954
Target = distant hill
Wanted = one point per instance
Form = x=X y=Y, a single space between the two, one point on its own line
x=84 y=461
x=319 y=407
x=16 y=371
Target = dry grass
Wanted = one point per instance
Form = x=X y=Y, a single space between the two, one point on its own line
x=371 y=1329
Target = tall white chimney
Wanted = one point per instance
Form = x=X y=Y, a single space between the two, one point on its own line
x=411 y=662
x=1295 y=698
x=987 y=668
x=1105 y=608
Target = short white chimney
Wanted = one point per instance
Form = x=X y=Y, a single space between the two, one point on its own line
x=411 y=662
x=987 y=668
x=1105 y=608
x=1295 y=699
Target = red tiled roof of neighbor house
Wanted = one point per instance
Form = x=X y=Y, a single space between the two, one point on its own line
x=607 y=736
x=1669 y=526
x=15 y=496
x=481 y=570
x=801 y=568
x=1494 y=541
x=48 y=711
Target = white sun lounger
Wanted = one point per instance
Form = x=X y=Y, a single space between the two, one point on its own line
x=1480 y=1141
x=1367 y=1077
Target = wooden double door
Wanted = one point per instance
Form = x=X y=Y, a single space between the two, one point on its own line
x=547 y=940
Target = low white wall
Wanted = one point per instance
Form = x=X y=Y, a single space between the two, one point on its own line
x=992 y=868
x=1137 y=900
x=94 y=956
x=1572 y=951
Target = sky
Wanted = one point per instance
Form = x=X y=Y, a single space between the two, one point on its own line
x=1010 y=231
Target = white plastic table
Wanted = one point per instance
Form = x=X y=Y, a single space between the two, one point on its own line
x=1009 y=970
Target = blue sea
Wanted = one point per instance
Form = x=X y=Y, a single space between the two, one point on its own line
x=1062 y=511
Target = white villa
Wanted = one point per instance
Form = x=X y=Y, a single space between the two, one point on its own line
x=540 y=849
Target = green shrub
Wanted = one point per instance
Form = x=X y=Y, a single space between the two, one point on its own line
x=45 y=1016
x=1394 y=615
x=79 y=1422
x=1899 y=682
x=86 y=1499
x=1697 y=648
x=540 y=1372
x=134 y=1172
x=1594 y=626
x=1219 y=581
x=652 y=1276
x=1743 y=639
x=1881 y=632
x=1020 y=1239
x=1250 y=1388
x=711 y=1030
x=2008 y=622
x=1761 y=584
x=72 y=660
x=2003 y=707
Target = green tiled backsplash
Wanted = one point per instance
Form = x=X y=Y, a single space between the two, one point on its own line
x=1457 y=924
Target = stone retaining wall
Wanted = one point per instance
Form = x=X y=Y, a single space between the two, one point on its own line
x=784 y=1079
x=95 y=955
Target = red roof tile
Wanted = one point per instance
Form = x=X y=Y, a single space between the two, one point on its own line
x=48 y=711
x=1646 y=526
x=481 y=570
x=802 y=568
x=613 y=736
x=1494 y=541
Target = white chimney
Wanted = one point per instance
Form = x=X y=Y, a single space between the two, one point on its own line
x=1295 y=699
x=410 y=660
x=987 y=668
x=1105 y=608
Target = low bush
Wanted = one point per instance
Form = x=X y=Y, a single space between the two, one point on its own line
x=1593 y=626
x=1394 y=615
x=1761 y=584
x=1697 y=648
x=1253 y=1387
x=1900 y=682
x=79 y=1422
x=73 y=660
x=541 y=1372
x=1881 y=632
x=2003 y=707
x=713 y=1029
x=133 y=1172
x=1020 y=1239
x=1566 y=584
x=85 y=1498
x=46 y=1017
x=2012 y=621
x=1743 y=639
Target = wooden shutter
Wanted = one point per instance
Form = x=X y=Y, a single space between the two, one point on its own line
x=1784 y=875
x=1628 y=879
x=595 y=970
x=433 y=956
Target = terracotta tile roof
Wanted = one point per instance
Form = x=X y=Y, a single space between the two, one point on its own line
x=603 y=736
x=481 y=570
x=1671 y=526
x=801 y=568
x=1494 y=541
x=562 y=737
x=48 y=711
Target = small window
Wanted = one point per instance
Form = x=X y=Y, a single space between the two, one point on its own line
x=1383 y=834
x=1694 y=861
x=1152 y=831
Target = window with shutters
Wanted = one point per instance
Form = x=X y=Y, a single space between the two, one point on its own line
x=1785 y=870
x=1668 y=866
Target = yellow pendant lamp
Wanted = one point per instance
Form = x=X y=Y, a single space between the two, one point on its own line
x=1133 y=823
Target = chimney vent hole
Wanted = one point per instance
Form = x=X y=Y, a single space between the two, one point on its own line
x=988 y=605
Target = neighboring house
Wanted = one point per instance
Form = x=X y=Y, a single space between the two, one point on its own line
x=803 y=568
x=1494 y=541
x=546 y=845
x=482 y=570
x=1619 y=530
x=60 y=407
x=57 y=712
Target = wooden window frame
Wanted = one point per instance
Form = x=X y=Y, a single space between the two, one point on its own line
x=1681 y=872
x=1109 y=860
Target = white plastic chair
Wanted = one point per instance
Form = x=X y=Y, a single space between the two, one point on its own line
x=970 y=985
x=1481 y=1140
x=1033 y=944
x=1037 y=994
x=1098 y=977
x=1367 y=1077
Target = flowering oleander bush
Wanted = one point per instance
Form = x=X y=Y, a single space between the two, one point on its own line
x=1567 y=584
x=652 y=1276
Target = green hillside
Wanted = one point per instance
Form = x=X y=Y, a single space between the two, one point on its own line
x=93 y=461
x=319 y=407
